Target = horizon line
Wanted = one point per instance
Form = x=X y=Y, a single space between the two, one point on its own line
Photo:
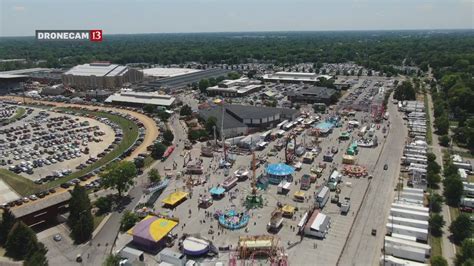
x=263 y=31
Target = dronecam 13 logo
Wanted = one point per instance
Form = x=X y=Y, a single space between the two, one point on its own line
x=69 y=35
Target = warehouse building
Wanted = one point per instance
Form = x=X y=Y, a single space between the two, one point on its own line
x=235 y=88
x=314 y=95
x=181 y=81
x=140 y=99
x=100 y=75
x=295 y=77
x=10 y=81
x=244 y=119
x=161 y=72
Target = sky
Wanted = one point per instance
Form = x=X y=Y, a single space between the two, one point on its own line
x=23 y=17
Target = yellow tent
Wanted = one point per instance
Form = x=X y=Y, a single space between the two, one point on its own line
x=173 y=198
x=299 y=194
x=288 y=210
x=152 y=228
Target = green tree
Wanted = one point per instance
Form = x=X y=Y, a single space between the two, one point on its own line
x=251 y=74
x=104 y=204
x=112 y=260
x=461 y=228
x=405 y=91
x=38 y=257
x=433 y=179
x=436 y=202
x=453 y=189
x=149 y=108
x=438 y=261
x=163 y=115
x=211 y=122
x=203 y=85
x=154 y=175
x=465 y=253
x=119 y=176
x=139 y=162
x=21 y=242
x=129 y=219
x=168 y=137
x=233 y=75
x=444 y=140
x=80 y=219
x=185 y=110
x=436 y=223
x=442 y=124
x=8 y=220
x=158 y=150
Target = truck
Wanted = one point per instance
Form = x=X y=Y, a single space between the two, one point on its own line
x=305 y=182
x=345 y=205
x=409 y=214
x=322 y=197
x=328 y=157
x=419 y=233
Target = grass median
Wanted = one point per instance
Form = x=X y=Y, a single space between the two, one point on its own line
x=24 y=186
x=436 y=246
x=429 y=132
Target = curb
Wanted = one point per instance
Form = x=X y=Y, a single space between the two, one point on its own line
x=99 y=227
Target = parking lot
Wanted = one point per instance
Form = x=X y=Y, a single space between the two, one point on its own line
x=50 y=145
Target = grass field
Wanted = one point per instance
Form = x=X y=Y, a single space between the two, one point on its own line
x=19 y=112
x=436 y=246
x=26 y=187
x=21 y=185
x=98 y=219
x=429 y=133
x=454 y=212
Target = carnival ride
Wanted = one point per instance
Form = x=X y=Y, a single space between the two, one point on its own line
x=256 y=248
x=254 y=200
x=290 y=153
x=232 y=219
x=355 y=170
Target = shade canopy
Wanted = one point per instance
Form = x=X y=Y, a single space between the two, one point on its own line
x=280 y=169
x=217 y=191
x=152 y=228
x=174 y=198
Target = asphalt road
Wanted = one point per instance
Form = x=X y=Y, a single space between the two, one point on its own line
x=361 y=247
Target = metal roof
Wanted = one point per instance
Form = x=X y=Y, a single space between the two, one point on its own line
x=141 y=98
x=99 y=70
x=40 y=204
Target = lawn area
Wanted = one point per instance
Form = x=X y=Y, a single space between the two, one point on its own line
x=21 y=185
x=454 y=212
x=98 y=219
x=148 y=161
x=18 y=113
x=429 y=133
x=25 y=187
x=436 y=246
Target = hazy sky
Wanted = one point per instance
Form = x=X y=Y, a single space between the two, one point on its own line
x=23 y=17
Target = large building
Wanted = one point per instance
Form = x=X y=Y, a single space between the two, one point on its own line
x=140 y=99
x=294 y=77
x=243 y=119
x=181 y=81
x=161 y=72
x=101 y=75
x=10 y=81
x=313 y=95
x=235 y=88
